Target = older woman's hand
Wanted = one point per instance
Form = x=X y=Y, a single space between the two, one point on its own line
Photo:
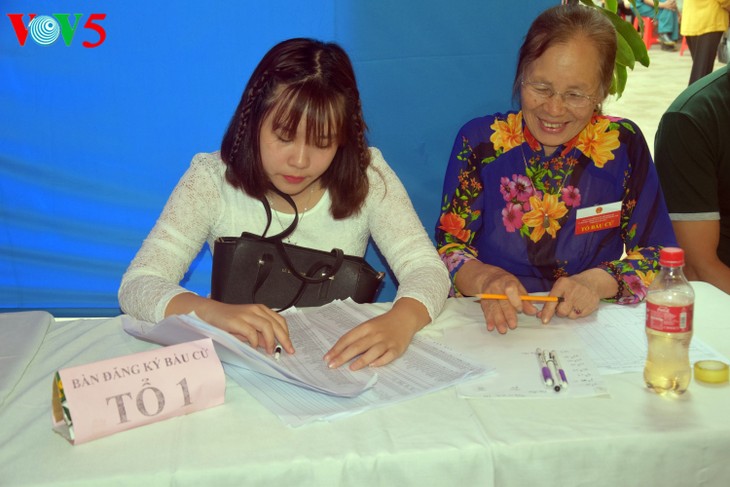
x=476 y=277
x=501 y=315
x=581 y=294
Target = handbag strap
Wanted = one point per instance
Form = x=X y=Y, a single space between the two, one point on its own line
x=328 y=270
x=264 y=269
x=267 y=207
x=278 y=240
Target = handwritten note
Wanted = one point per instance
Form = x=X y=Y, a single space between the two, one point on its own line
x=518 y=374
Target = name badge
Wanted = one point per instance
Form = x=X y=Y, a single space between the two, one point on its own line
x=597 y=218
x=102 y=398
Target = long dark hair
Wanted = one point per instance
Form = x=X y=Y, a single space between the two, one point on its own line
x=560 y=24
x=296 y=78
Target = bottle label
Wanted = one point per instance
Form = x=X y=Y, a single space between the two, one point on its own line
x=670 y=319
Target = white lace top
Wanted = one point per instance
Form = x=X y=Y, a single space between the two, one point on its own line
x=204 y=206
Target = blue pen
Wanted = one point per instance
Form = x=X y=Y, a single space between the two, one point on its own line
x=561 y=372
x=547 y=377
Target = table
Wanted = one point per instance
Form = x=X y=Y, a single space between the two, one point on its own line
x=632 y=437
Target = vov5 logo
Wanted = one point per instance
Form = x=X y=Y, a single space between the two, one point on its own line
x=46 y=29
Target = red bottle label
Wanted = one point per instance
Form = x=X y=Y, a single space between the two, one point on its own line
x=670 y=319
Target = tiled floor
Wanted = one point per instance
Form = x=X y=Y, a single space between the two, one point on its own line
x=650 y=91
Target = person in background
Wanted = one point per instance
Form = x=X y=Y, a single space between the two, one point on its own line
x=298 y=128
x=666 y=19
x=703 y=23
x=545 y=199
x=624 y=10
x=692 y=153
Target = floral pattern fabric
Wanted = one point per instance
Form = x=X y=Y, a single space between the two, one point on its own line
x=508 y=204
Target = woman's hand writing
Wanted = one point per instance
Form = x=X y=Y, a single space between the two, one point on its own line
x=256 y=324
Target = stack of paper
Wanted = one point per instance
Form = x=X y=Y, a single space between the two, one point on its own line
x=298 y=369
x=306 y=389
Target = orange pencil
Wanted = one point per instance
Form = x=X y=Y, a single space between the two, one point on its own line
x=543 y=299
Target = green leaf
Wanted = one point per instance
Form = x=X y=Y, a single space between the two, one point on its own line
x=620 y=75
x=630 y=35
x=630 y=45
x=624 y=53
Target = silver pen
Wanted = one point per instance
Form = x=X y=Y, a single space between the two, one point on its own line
x=561 y=372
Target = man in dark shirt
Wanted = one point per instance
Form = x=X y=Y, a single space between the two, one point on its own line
x=692 y=156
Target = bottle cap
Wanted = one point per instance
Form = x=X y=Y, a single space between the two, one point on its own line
x=671 y=257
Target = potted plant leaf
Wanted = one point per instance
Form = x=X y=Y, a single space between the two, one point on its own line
x=631 y=48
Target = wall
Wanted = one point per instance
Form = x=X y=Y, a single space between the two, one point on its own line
x=92 y=140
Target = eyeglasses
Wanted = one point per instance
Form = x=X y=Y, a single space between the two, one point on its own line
x=573 y=99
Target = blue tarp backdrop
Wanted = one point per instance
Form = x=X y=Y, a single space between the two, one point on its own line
x=93 y=139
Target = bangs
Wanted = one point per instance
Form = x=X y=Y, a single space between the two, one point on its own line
x=323 y=113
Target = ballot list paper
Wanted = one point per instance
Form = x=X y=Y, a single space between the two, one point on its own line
x=426 y=366
x=305 y=389
x=303 y=369
x=615 y=339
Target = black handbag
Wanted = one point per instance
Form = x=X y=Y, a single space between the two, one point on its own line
x=260 y=269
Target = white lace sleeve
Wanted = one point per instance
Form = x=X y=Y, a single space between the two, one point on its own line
x=403 y=241
x=153 y=277
x=203 y=206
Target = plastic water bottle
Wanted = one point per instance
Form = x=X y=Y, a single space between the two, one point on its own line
x=669 y=312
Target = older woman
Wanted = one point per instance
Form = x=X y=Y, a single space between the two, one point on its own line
x=549 y=197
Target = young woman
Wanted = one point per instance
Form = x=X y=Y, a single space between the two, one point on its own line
x=298 y=128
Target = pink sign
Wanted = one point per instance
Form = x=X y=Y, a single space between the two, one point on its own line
x=99 y=399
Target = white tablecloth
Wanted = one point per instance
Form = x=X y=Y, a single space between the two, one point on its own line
x=632 y=437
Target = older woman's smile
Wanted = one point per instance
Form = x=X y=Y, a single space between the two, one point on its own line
x=572 y=66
